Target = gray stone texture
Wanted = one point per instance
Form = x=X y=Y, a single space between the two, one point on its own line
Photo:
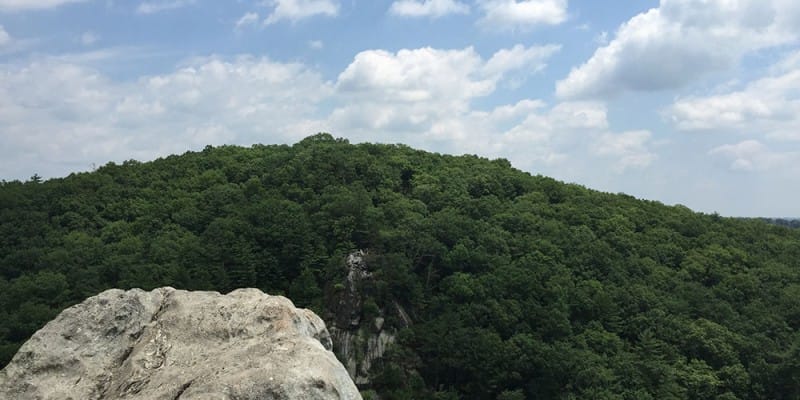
x=174 y=344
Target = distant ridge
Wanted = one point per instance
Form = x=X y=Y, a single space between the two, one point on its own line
x=787 y=222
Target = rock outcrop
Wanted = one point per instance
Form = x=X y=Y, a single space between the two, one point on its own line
x=359 y=344
x=174 y=344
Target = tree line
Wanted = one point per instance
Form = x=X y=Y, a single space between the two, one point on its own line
x=519 y=286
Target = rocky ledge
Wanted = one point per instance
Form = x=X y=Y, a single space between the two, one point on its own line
x=174 y=344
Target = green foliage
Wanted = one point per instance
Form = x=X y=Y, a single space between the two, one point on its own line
x=518 y=286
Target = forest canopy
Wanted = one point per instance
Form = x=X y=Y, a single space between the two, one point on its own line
x=519 y=286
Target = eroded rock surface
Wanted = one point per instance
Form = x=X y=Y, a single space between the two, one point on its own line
x=359 y=344
x=174 y=344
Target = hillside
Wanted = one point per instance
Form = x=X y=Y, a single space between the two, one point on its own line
x=518 y=286
x=787 y=222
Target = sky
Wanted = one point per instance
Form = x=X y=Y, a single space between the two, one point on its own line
x=692 y=102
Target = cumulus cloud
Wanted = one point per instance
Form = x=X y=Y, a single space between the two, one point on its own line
x=95 y=119
x=768 y=106
x=406 y=93
x=572 y=133
x=423 y=97
x=752 y=155
x=22 y=5
x=428 y=83
x=546 y=137
x=427 y=8
x=295 y=10
x=630 y=149
x=152 y=7
x=680 y=41
x=519 y=57
x=521 y=15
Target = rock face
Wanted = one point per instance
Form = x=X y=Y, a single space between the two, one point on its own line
x=173 y=344
x=360 y=343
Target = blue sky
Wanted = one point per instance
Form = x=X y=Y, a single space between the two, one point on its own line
x=691 y=102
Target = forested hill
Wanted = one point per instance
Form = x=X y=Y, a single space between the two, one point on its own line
x=787 y=222
x=518 y=286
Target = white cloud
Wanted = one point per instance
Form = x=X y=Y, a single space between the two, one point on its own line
x=152 y=7
x=428 y=8
x=5 y=38
x=680 y=41
x=769 y=106
x=316 y=44
x=630 y=149
x=295 y=10
x=95 y=119
x=423 y=97
x=450 y=78
x=405 y=94
x=410 y=76
x=548 y=137
x=579 y=115
x=752 y=155
x=525 y=14
x=249 y=18
x=529 y=59
x=22 y=5
x=575 y=135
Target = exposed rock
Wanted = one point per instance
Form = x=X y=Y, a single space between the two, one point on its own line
x=173 y=344
x=359 y=344
x=359 y=349
x=350 y=302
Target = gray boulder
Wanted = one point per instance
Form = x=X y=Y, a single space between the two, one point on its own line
x=173 y=344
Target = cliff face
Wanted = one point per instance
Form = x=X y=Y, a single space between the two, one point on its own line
x=173 y=344
x=360 y=343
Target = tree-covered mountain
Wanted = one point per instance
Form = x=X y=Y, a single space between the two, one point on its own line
x=518 y=286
